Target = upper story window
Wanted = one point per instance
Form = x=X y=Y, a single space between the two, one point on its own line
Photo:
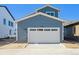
x=4 y=21
x=50 y=13
x=10 y=23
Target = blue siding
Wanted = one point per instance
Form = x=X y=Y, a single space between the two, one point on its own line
x=69 y=31
x=37 y=21
x=44 y=10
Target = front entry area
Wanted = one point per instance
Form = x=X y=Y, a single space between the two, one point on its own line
x=44 y=35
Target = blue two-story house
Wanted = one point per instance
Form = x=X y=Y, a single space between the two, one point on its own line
x=42 y=26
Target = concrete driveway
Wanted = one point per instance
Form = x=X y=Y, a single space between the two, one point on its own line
x=45 y=46
x=36 y=49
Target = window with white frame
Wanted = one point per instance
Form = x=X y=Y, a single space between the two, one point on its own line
x=4 y=21
x=50 y=13
x=10 y=23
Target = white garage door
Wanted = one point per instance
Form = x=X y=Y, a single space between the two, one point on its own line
x=43 y=35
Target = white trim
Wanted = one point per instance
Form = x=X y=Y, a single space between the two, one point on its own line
x=42 y=27
x=48 y=6
x=40 y=13
x=16 y=32
x=62 y=32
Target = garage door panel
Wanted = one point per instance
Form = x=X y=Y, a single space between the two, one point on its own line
x=43 y=36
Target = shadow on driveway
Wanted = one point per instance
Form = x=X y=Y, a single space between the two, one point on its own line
x=70 y=40
x=6 y=41
x=70 y=43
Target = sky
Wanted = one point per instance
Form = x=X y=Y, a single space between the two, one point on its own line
x=67 y=11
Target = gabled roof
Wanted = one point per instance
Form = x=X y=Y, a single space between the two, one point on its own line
x=73 y=23
x=67 y=22
x=47 y=5
x=8 y=11
x=39 y=13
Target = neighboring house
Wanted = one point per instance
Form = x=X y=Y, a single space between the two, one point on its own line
x=43 y=26
x=72 y=31
x=7 y=26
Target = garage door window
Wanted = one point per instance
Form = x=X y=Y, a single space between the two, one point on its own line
x=46 y=29
x=53 y=29
x=32 y=29
x=39 y=29
x=43 y=29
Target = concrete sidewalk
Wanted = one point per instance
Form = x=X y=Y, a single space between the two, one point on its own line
x=41 y=49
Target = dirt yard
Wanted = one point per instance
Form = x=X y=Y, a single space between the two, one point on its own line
x=11 y=44
x=71 y=44
x=14 y=46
